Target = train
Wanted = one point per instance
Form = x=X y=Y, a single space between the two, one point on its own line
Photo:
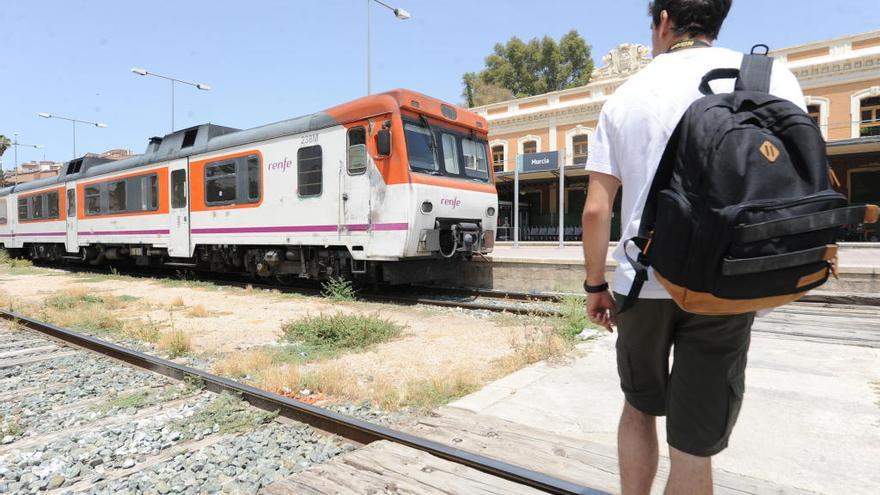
x=387 y=188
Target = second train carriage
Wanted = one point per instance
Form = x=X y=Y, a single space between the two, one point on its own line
x=373 y=188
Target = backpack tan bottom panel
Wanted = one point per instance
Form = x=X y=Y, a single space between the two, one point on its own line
x=704 y=303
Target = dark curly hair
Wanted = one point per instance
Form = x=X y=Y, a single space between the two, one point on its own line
x=693 y=17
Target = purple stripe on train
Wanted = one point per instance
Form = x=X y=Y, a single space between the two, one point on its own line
x=127 y=232
x=359 y=227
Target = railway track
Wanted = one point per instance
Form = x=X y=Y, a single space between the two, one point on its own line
x=49 y=378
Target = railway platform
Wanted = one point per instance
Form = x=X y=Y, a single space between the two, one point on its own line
x=545 y=267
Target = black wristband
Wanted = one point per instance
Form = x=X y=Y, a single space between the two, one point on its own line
x=595 y=289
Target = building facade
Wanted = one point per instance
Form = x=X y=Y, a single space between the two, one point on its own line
x=841 y=82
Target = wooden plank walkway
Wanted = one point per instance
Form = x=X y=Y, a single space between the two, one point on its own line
x=390 y=468
x=825 y=323
x=393 y=469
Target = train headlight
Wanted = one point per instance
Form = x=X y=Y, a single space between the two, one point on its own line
x=490 y=211
x=427 y=207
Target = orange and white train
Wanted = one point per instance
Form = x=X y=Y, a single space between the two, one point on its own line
x=376 y=188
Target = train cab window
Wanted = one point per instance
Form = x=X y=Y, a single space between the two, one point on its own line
x=309 y=171
x=71 y=202
x=420 y=148
x=178 y=188
x=22 y=208
x=116 y=197
x=450 y=154
x=476 y=164
x=220 y=186
x=253 y=179
x=3 y=217
x=93 y=200
x=357 y=150
x=37 y=207
x=52 y=205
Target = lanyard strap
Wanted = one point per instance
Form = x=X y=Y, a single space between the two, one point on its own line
x=685 y=44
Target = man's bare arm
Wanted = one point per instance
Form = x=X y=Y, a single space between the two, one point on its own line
x=596 y=223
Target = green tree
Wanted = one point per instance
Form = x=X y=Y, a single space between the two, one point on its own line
x=526 y=69
x=4 y=144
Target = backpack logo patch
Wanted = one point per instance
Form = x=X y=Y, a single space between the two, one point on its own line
x=770 y=151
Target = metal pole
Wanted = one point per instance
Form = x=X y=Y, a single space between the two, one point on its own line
x=73 y=124
x=369 y=63
x=561 y=201
x=15 y=144
x=516 y=202
x=172 y=105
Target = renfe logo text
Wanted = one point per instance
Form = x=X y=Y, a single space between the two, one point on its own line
x=453 y=202
x=282 y=165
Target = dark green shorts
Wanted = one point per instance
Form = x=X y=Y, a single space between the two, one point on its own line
x=702 y=394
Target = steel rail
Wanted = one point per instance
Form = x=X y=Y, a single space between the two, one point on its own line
x=353 y=429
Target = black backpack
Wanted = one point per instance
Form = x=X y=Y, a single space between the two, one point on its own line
x=740 y=216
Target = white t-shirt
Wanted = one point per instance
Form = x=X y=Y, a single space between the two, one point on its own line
x=637 y=121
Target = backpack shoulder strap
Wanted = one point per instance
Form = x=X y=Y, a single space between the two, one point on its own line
x=754 y=74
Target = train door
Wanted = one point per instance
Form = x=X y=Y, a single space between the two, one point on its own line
x=179 y=241
x=356 y=182
x=71 y=241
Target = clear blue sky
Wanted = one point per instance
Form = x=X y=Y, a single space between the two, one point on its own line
x=272 y=60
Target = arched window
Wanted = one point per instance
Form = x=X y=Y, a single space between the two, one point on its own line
x=869 y=122
x=530 y=147
x=579 y=146
x=815 y=112
x=498 y=158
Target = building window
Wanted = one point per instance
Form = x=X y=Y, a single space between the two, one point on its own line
x=357 y=150
x=232 y=181
x=579 y=145
x=815 y=112
x=309 y=171
x=869 y=124
x=498 y=158
x=178 y=188
x=530 y=147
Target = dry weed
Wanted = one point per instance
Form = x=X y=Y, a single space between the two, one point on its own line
x=178 y=301
x=242 y=364
x=199 y=311
x=175 y=342
x=280 y=379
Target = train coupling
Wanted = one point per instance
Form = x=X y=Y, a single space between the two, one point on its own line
x=453 y=237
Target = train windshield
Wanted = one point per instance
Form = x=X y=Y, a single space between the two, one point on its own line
x=442 y=151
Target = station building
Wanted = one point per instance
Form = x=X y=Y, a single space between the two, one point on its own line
x=840 y=78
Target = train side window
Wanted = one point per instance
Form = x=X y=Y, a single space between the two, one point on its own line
x=153 y=191
x=3 y=215
x=476 y=163
x=116 y=197
x=93 y=200
x=253 y=179
x=22 y=208
x=450 y=154
x=178 y=188
x=71 y=202
x=220 y=183
x=52 y=203
x=37 y=207
x=357 y=150
x=309 y=171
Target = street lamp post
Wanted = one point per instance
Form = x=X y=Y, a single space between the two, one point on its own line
x=16 y=144
x=73 y=123
x=144 y=72
x=400 y=14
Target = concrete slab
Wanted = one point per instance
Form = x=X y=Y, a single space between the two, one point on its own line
x=811 y=416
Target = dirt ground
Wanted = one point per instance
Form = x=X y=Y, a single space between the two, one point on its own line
x=435 y=343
